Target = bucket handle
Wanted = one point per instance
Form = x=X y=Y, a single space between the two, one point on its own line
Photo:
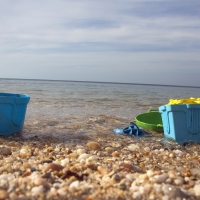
x=153 y=110
x=159 y=125
x=166 y=125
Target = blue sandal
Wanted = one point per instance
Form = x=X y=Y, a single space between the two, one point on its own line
x=132 y=130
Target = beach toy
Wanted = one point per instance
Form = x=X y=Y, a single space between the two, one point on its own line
x=181 y=122
x=12 y=112
x=184 y=101
x=150 y=121
x=132 y=130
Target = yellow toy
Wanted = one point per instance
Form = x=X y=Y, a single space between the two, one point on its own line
x=184 y=101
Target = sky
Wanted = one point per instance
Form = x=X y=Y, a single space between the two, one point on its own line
x=128 y=41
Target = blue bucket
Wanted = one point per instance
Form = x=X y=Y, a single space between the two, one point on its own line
x=181 y=122
x=12 y=112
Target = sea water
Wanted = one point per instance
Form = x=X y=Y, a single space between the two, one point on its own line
x=59 y=106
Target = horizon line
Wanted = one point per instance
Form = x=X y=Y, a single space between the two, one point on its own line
x=106 y=82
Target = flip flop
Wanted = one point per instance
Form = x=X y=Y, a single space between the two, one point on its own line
x=132 y=130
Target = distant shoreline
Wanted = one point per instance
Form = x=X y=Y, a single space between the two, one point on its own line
x=142 y=84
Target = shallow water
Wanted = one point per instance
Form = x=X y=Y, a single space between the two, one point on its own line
x=64 y=108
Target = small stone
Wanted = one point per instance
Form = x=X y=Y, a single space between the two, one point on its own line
x=92 y=166
x=49 y=148
x=159 y=178
x=161 y=150
x=62 y=192
x=197 y=190
x=73 y=169
x=172 y=174
x=195 y=171
x=83 y=156
x=64 y=162
x=109 y=150
x=33 y=169
x=26 y=165
x=146 y=188
x=174 y=192
x=13 y=195
x=39 y=181
x=46 y=175
x=88 y=171
x=126 y=167
x=169 y=180
x=25 y=147
x=37 y=190
x=22 y=180
x=179 y=181
x=157 y=188
x=74 y=185
x=47 y=161
x=171 y=155
x=53 y=167
x=147 y=149
x=180 y=169
x=4 y=151
x=102 y=170
x=132 y=147
x=122 y=186
x=93 y=145
x=130 y=177
x=134 y=187
x=110 y=174
x=9 y=159
x=137 y=195
x=165 y=197
x=73 y=155
x=143 y=176
x=92 y=159
x=116 y=154
x=3 y=194
x=156 y=147
x=27 y=173
x=178 y=152
x=116 y=178
x=24 y=151
x=80 y=151
x=186 y=179
x=150 y=173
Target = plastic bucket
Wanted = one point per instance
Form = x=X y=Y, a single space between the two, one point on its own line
x=150 y=121
x=12 y=112
x=181 y=122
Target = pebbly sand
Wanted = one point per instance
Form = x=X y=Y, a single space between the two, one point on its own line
x=82 y=158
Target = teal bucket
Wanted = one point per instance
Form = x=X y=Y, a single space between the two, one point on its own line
x=12 y=112
x=181 y=122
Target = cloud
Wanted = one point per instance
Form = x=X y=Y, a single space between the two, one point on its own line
x=118 y=26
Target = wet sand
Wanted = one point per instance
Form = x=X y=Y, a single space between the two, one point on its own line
x=82 y=158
